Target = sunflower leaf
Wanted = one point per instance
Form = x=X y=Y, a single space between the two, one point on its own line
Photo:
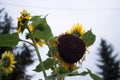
x=52 y=52
x=48 y=63
x=93 y=76
x=84 y=73
x=76 y=73
x=41 y=28
x=9 y=40
x=38 y=68
x=39 y=35
x=34 y=18
x=88 y=38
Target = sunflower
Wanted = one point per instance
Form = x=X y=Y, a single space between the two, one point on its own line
x=23 y=20
x=71 y=50
x=76 y=29
x=8 y=61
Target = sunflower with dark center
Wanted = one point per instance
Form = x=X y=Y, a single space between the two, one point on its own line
x=8 y=61
x=23 y=20
x=71 y=48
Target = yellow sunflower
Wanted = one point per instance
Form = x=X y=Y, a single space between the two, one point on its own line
x=23 y=20
x=8 y=61
x=76 y=29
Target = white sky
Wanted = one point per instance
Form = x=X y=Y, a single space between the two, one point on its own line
x=102 y=16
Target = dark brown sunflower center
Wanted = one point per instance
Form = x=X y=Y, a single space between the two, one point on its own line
x=71 y=49
x=6 y=62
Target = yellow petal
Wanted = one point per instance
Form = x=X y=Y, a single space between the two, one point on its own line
x=40 y=43
x=23 y=12
x=76 y=29
x=31 y=28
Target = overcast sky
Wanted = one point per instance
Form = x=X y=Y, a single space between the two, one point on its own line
x=102 y=16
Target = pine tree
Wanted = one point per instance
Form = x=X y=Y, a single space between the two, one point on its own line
x=23 y=54
x=108 y=65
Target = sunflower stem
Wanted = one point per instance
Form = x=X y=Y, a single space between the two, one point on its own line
x=40 y=60
x=26 y=42
x=38 y=53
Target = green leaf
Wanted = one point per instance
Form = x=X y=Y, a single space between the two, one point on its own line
x=48 y=63
x=93 y=76
x=39 y=35
x=84 y=73
x=76 y=73
x=52 y=52
x=38 y=68
x=9 y=40
x=41 y=28
x=53 y=77
x=88 y=38
x=34 y=18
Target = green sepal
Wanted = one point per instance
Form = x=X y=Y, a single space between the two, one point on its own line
x=88 y=38
x=9 y=40
x=48 y=63
x=62 y=70
x=52 y=41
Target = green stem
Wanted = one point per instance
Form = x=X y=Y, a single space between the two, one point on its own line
x=26 y=42
x=38 y=53
x=39 y=57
